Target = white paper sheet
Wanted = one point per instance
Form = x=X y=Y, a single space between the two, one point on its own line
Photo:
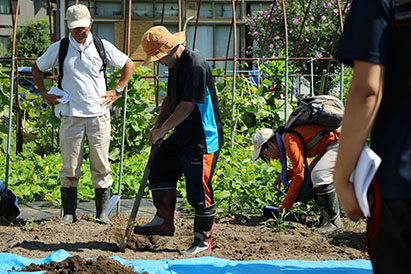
x=362 y=175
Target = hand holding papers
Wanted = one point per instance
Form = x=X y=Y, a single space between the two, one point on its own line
x=56 y=91
x=362 y=175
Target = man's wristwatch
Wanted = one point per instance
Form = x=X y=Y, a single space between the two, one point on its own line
x=119 y=90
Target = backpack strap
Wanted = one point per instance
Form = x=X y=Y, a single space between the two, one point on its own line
x=64 y=44
x=312 y=143
x=402 y=12
x=102 y=53
x=288 y=130
x=318 y=137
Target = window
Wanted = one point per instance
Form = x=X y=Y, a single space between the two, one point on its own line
x=204 y=40
x=5 y=6
x=4 y=43
x=170 y=9
x=221 y=36
x=142 y=9
x=85 y=3
x=206 y=10
x=105 y=31
x=108 y=8
x=258 y=7
x=226 y=10
x=103 y=8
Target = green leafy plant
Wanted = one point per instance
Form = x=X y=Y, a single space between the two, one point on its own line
x=240 y=185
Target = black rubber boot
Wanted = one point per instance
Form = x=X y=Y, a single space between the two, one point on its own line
x=102 y=199
x=203 y=230
x=69 y=204
x=163 y=222
x=328 y=200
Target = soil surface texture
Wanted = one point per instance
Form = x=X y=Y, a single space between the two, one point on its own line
x=234 y=238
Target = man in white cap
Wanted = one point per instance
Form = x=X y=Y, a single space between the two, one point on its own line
x=191 y=109
x=274 y=145
x=84 y=108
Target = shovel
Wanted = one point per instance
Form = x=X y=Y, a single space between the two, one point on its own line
x=115 y=199
x=139 y=196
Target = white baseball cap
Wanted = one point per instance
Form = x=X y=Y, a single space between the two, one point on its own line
x=78 y=16
x=259 y=139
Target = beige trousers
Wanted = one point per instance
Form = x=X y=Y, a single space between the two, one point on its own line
x=73 y=131
x=322 y=167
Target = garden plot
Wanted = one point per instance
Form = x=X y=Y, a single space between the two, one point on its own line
x=235 y=238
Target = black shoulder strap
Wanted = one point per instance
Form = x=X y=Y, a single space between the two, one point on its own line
x=102 y=53
x=288 y=130
x=64 y=43
x=402 y=12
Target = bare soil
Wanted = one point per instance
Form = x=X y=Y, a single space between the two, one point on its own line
x=235 y=238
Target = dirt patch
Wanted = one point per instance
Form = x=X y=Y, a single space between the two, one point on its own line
x=235 y=238
x=76 y=264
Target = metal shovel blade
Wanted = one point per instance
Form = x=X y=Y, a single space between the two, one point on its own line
x=111 y=204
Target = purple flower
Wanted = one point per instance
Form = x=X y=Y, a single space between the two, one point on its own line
x=328 y=5
x=312 y=18
x=318 y=55
x=277 y=37
x=326 y=25
x=335 y=10
x=271 y=46
x=305 y=50
x=255 y=32
x=295 y=21
x=323 y=17
x=306 y=28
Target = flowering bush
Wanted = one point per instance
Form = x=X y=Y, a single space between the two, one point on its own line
x=318 y=36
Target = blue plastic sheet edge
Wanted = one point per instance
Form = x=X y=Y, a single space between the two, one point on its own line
x=10 y=263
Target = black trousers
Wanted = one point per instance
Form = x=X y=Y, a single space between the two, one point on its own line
x=393 y=243
x=171 y=162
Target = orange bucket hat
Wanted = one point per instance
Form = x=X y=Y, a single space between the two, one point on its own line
x=158 y=42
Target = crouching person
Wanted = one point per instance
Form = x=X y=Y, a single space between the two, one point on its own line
x=191 y=109
x=278 y=145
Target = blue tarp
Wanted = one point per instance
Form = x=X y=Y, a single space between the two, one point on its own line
x=205 y=265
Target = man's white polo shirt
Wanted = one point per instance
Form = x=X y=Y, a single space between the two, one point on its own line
x=83 y=76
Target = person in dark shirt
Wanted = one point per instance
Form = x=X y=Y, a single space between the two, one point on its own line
x=191 y=109
x=378 y=102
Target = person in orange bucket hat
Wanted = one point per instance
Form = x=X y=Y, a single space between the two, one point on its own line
x=190 y=108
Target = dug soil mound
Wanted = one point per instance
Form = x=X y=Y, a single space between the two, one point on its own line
x=78 y=265
x=235 y=238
